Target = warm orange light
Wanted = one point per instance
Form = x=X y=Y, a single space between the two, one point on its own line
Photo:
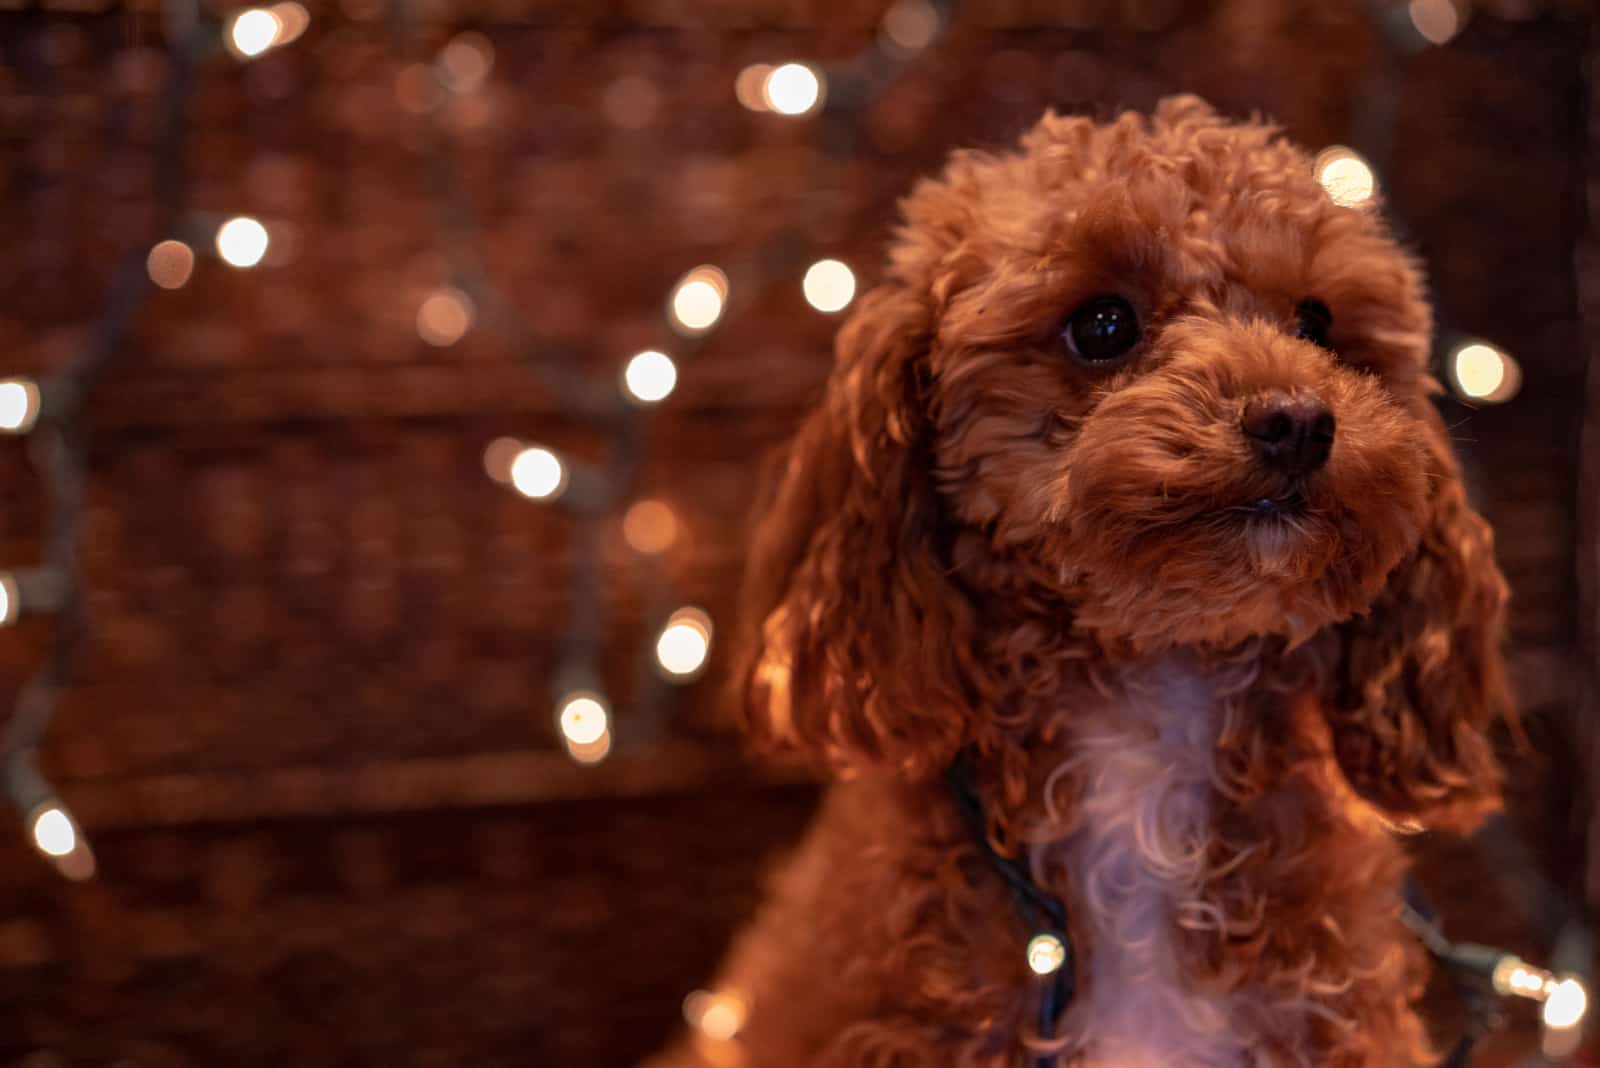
x=1046 y=954
x=170 y=264
x=445 y=316
x=498 y=457
x=1436 y=20
x=538 y=473
x=293 y=18
x=684 y=643
x=829 y=285
x=1347 y=178
x=650 y=377
x=19 y=405
x=465 y=62
x=253 y=31
x=910 y=25
x=242 y=241
x=749 y=85
x=719 y=1016
x=650 y=527
x=698 y=299
x=1484 y=373
x=792 y=89
x=10 y=599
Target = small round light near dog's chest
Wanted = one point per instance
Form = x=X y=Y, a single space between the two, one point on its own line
x=1102 y=330
x=1046 y=954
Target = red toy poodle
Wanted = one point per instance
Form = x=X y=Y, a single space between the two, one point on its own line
x=1125 y=580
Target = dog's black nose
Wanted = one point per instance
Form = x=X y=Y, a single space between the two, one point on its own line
x=1293 y=434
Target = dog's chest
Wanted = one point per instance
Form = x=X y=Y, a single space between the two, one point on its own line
x=1136 y=859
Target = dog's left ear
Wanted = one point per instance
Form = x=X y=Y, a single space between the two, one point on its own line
x=855 y=637
x=1421 y=679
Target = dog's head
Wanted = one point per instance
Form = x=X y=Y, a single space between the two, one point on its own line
x=1151 y=364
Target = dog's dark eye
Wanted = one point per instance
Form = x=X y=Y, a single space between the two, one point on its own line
x=1312 y=322
x=1102 y=330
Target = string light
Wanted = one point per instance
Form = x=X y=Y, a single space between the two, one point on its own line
x=829 y=285
x=792 y=89
x=1484 y=373
x=10 y=599
x=684 y=643
x=1436 y=20
x=36 y=591
x=650 y=377
x=585 y=723
x=698 y=299
x=51 y=829
x=538 y=473
x=718 y=1016
x=650 y=527
x=253 y=31
x=293 y=19
x=1046 y=954
x=170 y=264
x=445 y=317
x=1565 y=1005
x=242 y=241
x=749 y=87
x=1348 y=179
x=20 y=405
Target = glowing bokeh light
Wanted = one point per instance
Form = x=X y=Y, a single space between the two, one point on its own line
x=718 y=1016
x=498 y=457
x=465 y=62
x=910 y=25
x=10 y=599
x=293 y=18
x=19 y=405
x=684 y=643
x=169 y=264
x=253 y=31
x=445 y=317
x=53 y=831
x=829 y=285
x=1566 y=1005
x=590 y=752
x=650 y=377
x=1482 y=372
x=1436 y=20
x=650 y=527
x=584 y=718
x=698 y=299
x=1347 y=178
x=538 y=473
x=792 y=89
x=1046 y=954
x=749 y=87
x=242 y=241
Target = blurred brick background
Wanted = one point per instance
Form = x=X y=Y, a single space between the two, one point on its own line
x=312 y=738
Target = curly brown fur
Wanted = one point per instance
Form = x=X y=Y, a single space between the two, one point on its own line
x=1200 y=723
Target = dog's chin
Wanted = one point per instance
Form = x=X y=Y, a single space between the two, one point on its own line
x=1284 y=565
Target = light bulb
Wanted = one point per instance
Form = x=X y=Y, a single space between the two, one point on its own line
x=170 y=264
x=1046 y=954
x=253 y=31
x=1566 y=1005
x=445 y=316
x=650 y=376
x=242 y=241
x=293 y=18
x=584 y=719
x=1483 y=372
x=53 y=831
x=1436 y=20
x=684 y=643
x=1347 y=178
x=792 y=89
x=538 y=473
x=10 y=599
x=650 y=527
x=698 y=299
x=829 y=285
x=19 y=405
x=719 y=1016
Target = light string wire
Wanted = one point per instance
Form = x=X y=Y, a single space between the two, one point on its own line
x=58 y=449
x=598 y=491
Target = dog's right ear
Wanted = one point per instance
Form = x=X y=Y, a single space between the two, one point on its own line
x=855 y=638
